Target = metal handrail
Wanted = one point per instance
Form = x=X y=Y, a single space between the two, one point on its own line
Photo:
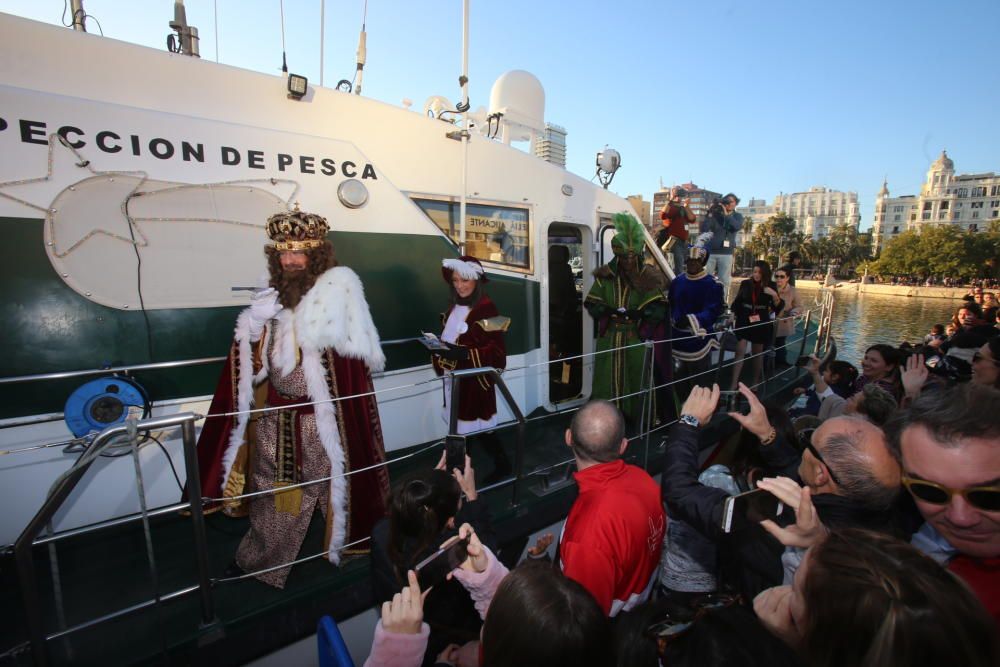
x=62 y=375
x=61 y=491
x=454 y=377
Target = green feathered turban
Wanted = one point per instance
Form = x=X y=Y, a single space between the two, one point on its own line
x=630 y=236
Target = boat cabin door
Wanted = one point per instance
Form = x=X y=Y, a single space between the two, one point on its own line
x=569 y=265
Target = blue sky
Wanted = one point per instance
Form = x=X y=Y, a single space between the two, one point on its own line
x=754 y=97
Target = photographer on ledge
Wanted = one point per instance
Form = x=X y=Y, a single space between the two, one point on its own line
x=724 y=223
x=672 y=238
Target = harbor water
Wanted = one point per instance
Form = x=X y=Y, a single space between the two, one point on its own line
x=861 y=320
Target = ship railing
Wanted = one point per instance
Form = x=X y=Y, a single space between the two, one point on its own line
x=64 y=485
x=73 y=445
x=60 y=492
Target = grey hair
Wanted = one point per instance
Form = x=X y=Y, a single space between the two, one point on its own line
x=844 y=455
x=877 y=404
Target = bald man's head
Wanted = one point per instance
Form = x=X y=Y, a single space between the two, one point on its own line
x=596 y=432
x=858 y=454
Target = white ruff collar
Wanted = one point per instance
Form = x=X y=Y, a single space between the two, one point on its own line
x=333 y=314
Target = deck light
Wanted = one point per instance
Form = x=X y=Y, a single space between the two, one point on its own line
x=608 y=162
x=297 y=86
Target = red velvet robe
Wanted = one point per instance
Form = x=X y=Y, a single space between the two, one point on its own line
x=359 y=425
x=477 y=397
x=331 y=335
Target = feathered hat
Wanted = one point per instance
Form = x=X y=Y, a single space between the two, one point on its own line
x=700 y=248
x=297 y=230
x=466 y=266
x=630 y=236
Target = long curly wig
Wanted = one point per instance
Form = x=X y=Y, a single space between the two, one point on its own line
x=293 y=286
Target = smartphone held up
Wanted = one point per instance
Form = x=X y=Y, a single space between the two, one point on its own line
x=749 y=509
x=433 y=569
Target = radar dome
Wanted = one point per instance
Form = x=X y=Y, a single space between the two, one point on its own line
x=519 y=96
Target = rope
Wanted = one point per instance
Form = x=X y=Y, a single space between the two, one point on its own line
x=508 y=373
x=246 y=575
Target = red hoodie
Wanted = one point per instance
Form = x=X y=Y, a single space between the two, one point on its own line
x=613 y=535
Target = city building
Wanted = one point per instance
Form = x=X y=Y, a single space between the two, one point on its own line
x=967 y=201
x=816 y=212
x=756 y=211
x=642 y=209
x=551 y=147
x=699 y=199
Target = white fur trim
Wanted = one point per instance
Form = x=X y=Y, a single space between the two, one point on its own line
x=244 y=394
x=329 y=436
x=286 y=345
x=334 y=313
x=467 y=270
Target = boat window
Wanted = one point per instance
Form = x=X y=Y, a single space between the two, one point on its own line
x=493 y=233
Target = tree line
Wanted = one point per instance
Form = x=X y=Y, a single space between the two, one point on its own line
x=843 y=251
x=939 y=251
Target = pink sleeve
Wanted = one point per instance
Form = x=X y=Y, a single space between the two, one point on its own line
x=483 y=585
x=395 y=649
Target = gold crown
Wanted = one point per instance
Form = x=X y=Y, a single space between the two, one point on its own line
x=296 y=230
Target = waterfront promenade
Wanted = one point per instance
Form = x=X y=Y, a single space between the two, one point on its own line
x=933 y=292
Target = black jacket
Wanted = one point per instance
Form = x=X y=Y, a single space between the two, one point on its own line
x=749 y=561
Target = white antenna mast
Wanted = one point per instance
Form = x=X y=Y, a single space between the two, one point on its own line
x=322 y=38
x=362 y=53
x=463 y=106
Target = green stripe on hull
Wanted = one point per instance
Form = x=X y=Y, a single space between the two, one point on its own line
x=49 y=328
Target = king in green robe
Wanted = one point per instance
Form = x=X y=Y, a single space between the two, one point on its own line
x=627 y=302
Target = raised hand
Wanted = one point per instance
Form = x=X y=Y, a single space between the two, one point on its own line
x=807 y=529
x=264 y=304
x=466 y=479
x=756 y=420
x=915 y=375
x=477 y=560
x=541 y=545
x=405 y=612
x=701 y=403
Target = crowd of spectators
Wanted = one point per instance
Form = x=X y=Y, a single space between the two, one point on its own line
x=887 y=553
x=934 y=281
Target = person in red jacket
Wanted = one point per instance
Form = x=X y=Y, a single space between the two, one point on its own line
x=613 y=535
x=474 y=331
x=949 y=445
x=676 y=215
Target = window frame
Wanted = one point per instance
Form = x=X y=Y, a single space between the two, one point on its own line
x=528 y=208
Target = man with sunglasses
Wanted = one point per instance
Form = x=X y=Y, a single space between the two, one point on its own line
x=948 y=443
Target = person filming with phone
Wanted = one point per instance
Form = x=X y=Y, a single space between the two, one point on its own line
x=423 y=514
x=846 y=467
x=533 y=616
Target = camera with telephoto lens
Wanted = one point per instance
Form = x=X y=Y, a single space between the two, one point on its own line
x=716 y=210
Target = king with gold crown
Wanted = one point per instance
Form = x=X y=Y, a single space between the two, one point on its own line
x=296 y=406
